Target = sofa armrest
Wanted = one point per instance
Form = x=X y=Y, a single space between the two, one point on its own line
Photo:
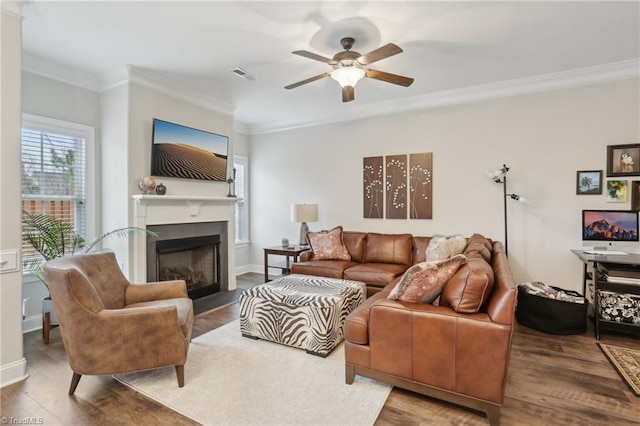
x=306 y=256
x=464 y=353
x=137 y=293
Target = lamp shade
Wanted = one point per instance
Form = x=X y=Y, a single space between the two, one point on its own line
x=304 y=212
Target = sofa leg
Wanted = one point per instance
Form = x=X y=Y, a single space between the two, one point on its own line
x=349 y=373
x=74 y=382
x=493 y=415
x=180 y=375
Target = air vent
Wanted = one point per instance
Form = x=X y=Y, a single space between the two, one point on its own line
x=243 y=74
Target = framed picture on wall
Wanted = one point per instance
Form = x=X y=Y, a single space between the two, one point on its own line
x=635 y=195
x=616 y=191
x=589 y=182
x=623 y=160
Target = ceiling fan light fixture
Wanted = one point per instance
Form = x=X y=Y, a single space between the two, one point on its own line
x=347 y=76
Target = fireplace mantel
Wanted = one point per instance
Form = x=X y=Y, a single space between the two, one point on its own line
x=192 y=203
x=177 y=209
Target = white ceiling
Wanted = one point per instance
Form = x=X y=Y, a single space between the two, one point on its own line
x=449 y=47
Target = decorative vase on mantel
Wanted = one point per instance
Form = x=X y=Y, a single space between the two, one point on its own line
x=147 y=185
x=161 y=189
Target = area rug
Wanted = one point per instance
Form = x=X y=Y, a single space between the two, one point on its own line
x=626 y=362
x=233 y=380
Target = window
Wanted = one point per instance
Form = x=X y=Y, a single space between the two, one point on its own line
x=54 y=172
x=242 y=211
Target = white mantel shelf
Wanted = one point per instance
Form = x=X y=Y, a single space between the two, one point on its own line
x=152 y=198
x=193 y=203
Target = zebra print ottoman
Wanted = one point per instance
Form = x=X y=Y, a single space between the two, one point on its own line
x=303 y=311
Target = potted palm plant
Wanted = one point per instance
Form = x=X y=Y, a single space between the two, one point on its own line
x=53 y=238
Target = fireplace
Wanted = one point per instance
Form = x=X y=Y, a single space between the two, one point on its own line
x=193 y=252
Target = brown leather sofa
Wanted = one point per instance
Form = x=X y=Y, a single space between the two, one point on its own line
x=110 y=326
x=376 y=259
x=456 y=350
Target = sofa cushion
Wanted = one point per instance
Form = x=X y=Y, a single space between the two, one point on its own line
x=374 y=273
x=328 y=245
x=388 y=248
x=423 y=282
x=480 y=244
x=355 y=242
x=470 y=287
x=420 y=249
x=322 y=268
x=442 y=247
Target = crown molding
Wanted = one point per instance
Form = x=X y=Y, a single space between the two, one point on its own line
x=159 y=84
x=145 y=78
x=552 y=81
x=47 y=68
x=122 y=75
x=12 y=8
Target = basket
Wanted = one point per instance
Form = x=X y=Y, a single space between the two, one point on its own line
x=550 y=315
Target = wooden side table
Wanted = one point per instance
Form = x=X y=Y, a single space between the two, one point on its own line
x=287 y=252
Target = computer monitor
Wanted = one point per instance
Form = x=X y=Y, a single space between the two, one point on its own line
x=610 y=229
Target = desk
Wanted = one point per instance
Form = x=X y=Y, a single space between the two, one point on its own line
x=288 y=252
x=626 y=266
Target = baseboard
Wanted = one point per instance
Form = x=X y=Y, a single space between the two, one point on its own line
x=244 y=269
x=32 y=323
x=13 y=372
x=258 y=269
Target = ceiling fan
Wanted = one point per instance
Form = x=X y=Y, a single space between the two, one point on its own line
x=350 y=66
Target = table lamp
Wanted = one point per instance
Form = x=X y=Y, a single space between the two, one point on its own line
x=304 y=213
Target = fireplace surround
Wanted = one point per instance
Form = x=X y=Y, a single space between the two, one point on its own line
x=194 y=252
x=179 y=218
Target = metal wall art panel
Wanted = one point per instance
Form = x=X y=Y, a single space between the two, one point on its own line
x=421 y=186
x=372 y=190
x=396 y=186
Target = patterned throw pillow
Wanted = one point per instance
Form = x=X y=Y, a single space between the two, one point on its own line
x=328 y=245
x=442 y=247
x=423 y=282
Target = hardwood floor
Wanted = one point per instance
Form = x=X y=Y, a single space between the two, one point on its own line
x=553 y=380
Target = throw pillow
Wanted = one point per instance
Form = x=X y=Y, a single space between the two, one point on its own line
x=468 y=290
x=423 y=282
x=442 y=247
x=328 y=245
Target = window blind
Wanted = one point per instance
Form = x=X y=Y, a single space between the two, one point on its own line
x=53 y=177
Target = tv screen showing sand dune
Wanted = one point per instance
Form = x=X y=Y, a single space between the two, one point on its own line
x=184 y=152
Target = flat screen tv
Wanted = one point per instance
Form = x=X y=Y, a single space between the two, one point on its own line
x=184 y=152
x=610 y=225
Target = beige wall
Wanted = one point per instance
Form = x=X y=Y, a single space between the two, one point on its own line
x=13 y=366
x=544 y=137
x=127 y=115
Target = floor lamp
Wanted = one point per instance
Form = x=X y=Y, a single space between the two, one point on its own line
x=500 y=176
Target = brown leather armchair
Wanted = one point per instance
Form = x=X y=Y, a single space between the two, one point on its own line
x=110 y=326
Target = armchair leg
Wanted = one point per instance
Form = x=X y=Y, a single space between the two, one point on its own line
x=180 y=375
x=74 y=382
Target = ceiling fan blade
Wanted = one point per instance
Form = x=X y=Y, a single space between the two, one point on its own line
x=348 y=94
x=389 y=78
x=308 y=80
x=310 y=55
x=379 y=53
